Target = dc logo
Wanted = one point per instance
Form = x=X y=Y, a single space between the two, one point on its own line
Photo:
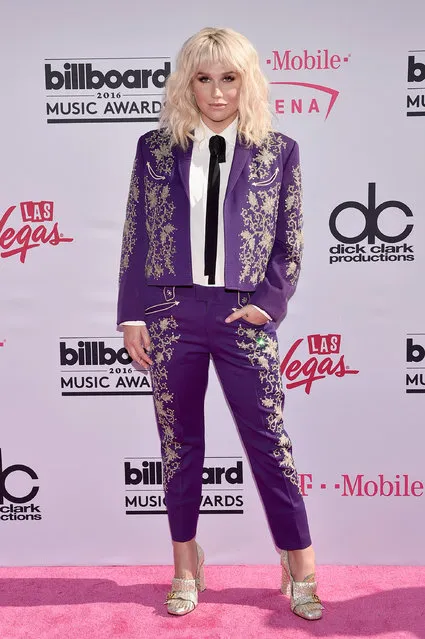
x=4 y=474
x=371 y=214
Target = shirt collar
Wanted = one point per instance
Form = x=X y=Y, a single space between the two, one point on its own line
x=203 y=134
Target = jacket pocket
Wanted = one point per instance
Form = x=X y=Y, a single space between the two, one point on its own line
x=268 y=181
x=152 y=173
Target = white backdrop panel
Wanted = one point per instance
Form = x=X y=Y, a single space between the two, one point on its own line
x=354 y=433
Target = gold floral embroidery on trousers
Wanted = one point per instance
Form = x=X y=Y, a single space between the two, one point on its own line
x=163 y=340
x=259 y=223
x=129 y=233
x=160 y=229
x=262 y=351
x=159 y=143
x=293 y=210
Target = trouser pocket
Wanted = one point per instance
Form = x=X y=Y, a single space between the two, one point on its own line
x=168 y=301
x=243 y=300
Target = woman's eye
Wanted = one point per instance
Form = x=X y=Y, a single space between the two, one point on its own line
x=203 y=78
x=229 y=78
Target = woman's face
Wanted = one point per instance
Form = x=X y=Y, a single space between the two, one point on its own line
x=217 y=92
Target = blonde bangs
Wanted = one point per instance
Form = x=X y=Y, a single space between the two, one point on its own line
x=180 y=114
x=216 y=51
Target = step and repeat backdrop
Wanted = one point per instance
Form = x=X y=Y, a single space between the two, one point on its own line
x=80 y=471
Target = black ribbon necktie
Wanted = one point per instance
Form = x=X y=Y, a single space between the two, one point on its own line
x=217 y=155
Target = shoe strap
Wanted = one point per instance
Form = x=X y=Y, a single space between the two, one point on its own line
x=183 y=585
x=200 y=557
x=304 y=592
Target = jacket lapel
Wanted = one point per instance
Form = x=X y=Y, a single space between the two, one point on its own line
x=240 y=157
x=183 y=162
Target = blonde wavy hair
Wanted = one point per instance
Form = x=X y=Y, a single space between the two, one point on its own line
x=180 y=114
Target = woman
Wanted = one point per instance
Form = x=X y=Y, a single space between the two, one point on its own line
x=211 y=254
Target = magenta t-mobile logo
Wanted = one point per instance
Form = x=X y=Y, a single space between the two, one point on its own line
x=292 y=95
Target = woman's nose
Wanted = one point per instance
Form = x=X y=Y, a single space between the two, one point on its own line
x=216 y=91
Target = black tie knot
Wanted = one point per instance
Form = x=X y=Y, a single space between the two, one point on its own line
x=218 y=147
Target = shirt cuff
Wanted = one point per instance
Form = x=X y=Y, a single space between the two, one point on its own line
x=262 y=311
x=133 y=323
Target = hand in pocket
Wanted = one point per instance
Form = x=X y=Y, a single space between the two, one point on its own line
x=250 y=314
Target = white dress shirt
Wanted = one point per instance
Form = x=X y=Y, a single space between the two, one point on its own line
x=198 y=188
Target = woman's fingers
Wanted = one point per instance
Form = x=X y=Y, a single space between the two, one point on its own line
x=146 y=340
x=137 y=343
x=249 y=313
x=237 y=313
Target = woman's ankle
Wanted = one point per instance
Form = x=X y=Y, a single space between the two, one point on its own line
x=185 y=559
x=302 y=564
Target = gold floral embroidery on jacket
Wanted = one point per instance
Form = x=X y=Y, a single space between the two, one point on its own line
x=160 y=229
x=163 y=340
x=262 y=162
x=262 y=352
x=293 y=211
x=129 y=233
x=258 y=233
x=159 y=143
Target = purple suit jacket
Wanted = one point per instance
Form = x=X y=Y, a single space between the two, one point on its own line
x=262 y=223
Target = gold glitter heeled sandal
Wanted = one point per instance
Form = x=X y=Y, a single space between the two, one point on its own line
x=304 y=601
x=183 y=596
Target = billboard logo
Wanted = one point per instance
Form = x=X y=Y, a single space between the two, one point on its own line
x=99 y=366
x=415 y=356
x=222 y=486
x=416 y=83
x=104 y=89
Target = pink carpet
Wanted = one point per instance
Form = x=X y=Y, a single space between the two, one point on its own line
x=240 y=601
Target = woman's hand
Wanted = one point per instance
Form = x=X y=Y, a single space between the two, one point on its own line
x=138 y=344
x=250 y=314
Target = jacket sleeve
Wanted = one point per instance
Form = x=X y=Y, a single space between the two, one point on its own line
x=132 y=284
x=280 y=281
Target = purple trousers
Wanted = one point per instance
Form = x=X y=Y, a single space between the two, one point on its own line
x=186 y=326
